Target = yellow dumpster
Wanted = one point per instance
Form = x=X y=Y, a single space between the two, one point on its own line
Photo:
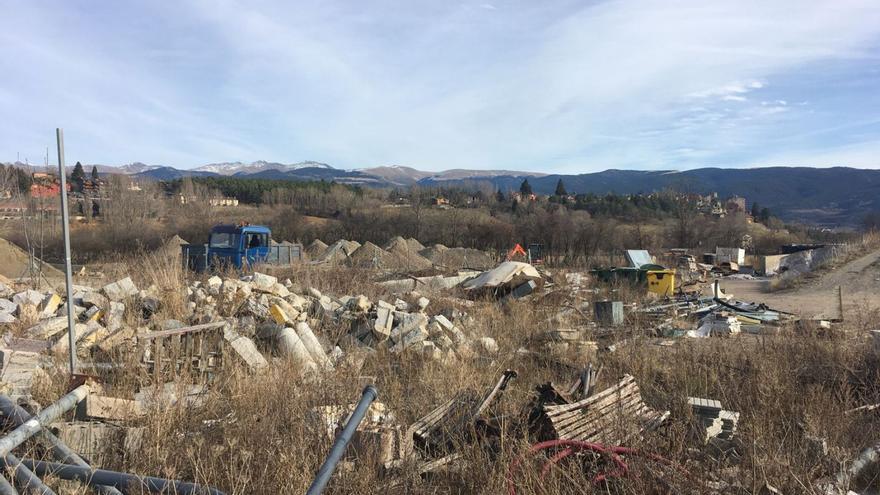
x=661 y=282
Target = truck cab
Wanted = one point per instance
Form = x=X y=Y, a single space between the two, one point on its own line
x=241 y=247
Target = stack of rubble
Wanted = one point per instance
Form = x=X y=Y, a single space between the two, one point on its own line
x=711 y=420
x=240 y=315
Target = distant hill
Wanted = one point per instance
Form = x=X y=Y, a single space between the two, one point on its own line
x=820 y=196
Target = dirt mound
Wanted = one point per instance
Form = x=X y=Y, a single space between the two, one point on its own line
x=396 y=241
x=316 y=249
x=414 y=244
x=433 y=251
x=458 y=258
x=15 y=263
x=369 y=255
x=403 y=259
x=339 y=251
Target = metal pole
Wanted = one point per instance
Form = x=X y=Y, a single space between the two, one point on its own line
x=124 y=481
x=25 y=479
x=342 y=441
x=44 y=417
x=60 y=452
x=6 y=488
x=68 y=275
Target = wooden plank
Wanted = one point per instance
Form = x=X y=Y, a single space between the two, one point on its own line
x=182 y=331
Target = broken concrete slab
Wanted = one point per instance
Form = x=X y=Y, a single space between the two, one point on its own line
x=488 y=345
x=80 y=330
x=120 y=290
x=408 y=323
x=263 y=282
x=109 y=408
x=7 y=306
x=49 y=306
x=113 y=320
x=19 y=370
x=414 y=336
x=47 y=329
x=29 y=296
x=383 y=323
x=246 y=350
x=94 y=299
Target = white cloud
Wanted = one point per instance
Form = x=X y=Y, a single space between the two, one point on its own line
x=435 y=85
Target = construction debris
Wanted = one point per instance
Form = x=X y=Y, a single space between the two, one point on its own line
x=610 y=416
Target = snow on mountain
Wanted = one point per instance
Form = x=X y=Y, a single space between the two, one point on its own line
x=135 y=168
x=240 y=168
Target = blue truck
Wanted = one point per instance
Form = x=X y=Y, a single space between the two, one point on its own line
x=242 y=247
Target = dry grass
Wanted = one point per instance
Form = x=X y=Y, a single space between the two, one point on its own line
x=255 y=433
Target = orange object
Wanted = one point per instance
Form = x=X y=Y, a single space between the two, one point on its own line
x=517 y=250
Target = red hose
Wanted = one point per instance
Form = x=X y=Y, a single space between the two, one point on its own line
x=574 y=446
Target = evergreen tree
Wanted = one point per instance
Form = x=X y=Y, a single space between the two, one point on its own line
x=499 y=196
x=756 y=210
x=78 y=173
x=94 y=172
x=765 y=214
x=525 y=188
x=560 y=189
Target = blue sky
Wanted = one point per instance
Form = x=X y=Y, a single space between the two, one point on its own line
x=551 y=86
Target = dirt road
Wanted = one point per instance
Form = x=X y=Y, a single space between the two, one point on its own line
x=816 y=295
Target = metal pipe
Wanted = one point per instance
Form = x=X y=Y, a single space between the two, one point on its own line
x=6 y=488
x=60 y=452
x=46 y=416
x=25 y=479
x=68 y=274
x=126 y=482
x=367 y=397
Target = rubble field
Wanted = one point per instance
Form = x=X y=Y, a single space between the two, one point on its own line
x=506 y=379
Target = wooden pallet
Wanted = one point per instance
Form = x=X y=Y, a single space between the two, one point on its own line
x=196 y=351
x=610 y=416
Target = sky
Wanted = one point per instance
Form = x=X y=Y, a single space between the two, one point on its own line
x=547 y=86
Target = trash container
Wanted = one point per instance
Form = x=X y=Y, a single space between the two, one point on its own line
x=661 y=282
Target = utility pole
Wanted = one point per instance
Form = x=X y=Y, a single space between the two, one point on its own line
x=68 y=272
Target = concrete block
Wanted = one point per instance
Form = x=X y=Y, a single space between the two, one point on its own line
x=49 y=305
x=109 y=408
x=7 y=306
x=443 y=321
x=48 y=328
x=383 y=324
x=609 y=313
x=423 y=303
x=247 y=351
x=120 y=290
x=80 y=330
x=488 y=345
x=412 y=337
x=113 y=319
x=94 y=298
x=29 y=296
x=263 y=283
x=408 y=323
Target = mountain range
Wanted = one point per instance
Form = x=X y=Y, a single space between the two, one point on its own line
x=838 y=196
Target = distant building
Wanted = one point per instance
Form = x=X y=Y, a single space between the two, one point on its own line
x=223 y=202
x=46 y=185
x=735 y=204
